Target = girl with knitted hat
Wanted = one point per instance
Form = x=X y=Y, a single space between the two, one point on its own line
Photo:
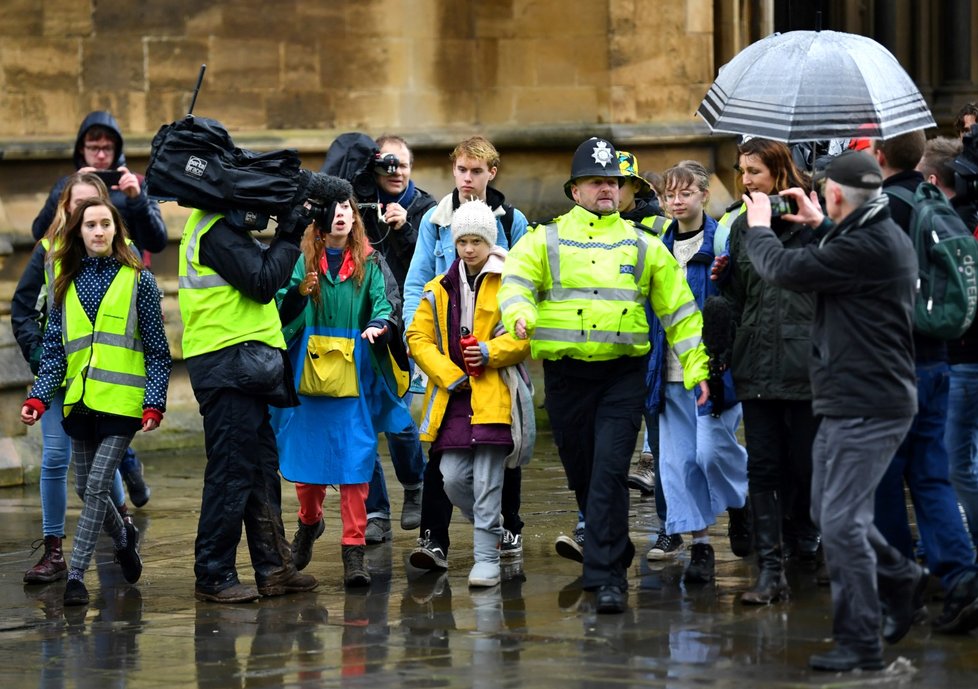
x=468 y=405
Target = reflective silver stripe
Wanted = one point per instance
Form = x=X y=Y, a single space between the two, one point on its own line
x=643 y=250
x=591 y=294
x=133 y=317
x=670 y=319
x=518 y=280
x=684 y=346
x=517 y=299
x=116 y=378
x=600 y=336
x=124 y=341
x=430 y=297
x=553 y=253
x=78 y=344
x=192 y=280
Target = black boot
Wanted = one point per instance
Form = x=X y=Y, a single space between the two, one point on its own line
x=303 y=540
x=739 y=530
x=354 y=569
x=771 y=585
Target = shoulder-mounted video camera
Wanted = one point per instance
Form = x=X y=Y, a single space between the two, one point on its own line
x=966 y=167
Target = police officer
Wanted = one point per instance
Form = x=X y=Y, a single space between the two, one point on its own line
x=235 y=355
x=577 y=287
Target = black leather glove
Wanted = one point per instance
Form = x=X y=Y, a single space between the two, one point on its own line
x=290 y=228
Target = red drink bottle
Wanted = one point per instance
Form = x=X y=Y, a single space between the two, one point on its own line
x=469 y=340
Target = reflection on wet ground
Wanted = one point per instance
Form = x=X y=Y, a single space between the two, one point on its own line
x=415 y=629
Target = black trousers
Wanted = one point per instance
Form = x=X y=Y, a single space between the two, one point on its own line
x=779 y=436
x=241 y=487
x=596 y=412
x=436 y=508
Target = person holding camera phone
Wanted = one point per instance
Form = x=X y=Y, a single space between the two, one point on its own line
x=770 y=371
x=99 y=149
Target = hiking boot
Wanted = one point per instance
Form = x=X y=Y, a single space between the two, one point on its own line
x=302 y=542
x=354 y=570
x=960 y=614
x=428 y=554
x=287 y=582
x=484 y=574
x=411 y=509
x=76 y=593
x=666 y=547
x=511 y=545
x=642 y=477
x=132 y=473
x=738 y=530
x=128 y=557
x=237 y=593
x=51 y=566
x=702 y=564
x=378 y=530
x=571 y=548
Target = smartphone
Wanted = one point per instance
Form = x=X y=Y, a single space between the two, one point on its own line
x=110 y=177
x=781 y=205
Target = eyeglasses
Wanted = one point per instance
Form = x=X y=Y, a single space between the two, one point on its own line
x=685 y=195
x=108 y=149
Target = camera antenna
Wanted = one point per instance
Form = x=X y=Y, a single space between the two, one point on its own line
x=200 y=80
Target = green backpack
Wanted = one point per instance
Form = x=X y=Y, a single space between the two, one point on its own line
x=947 y=255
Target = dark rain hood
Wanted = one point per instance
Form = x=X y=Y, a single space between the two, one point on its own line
x=105 y=119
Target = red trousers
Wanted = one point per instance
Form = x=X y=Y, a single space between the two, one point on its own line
x=353 y=508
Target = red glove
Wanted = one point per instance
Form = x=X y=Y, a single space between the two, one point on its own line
x=154 y=414
x=36 y=405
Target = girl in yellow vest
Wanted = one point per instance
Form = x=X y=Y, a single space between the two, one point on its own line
x=105 y=342
x=28 y=311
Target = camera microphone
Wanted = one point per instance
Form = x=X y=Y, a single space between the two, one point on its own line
x=718 y=338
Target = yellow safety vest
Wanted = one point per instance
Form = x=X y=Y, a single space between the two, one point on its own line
x=581 y=284
x=215 y=314
x=106 y=369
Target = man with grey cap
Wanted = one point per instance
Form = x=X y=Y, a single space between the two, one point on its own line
x=577 y=287
x=864 y=272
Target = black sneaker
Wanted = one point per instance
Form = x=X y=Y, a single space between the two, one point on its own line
x=571 y=548
x=666 y=547
x=128 y=557
x=76 y=593
x=960 y=614
x=511 y=546
x=428 y=554
x=702 y=564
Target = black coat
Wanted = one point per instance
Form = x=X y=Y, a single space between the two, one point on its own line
x=865 y=279
x=773 y=339
x=397 y=246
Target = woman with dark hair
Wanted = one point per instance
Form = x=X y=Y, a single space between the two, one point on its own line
x=770 y=371
x=105 y=342
x=335 y=308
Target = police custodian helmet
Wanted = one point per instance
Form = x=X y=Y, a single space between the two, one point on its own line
x=593 y=158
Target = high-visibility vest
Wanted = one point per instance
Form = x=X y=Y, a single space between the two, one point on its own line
x=106 y=370
x=581 y=284
x=215 y=314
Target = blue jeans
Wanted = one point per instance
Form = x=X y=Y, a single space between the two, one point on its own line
x=55 y=458
x=409 y=463
x=921 y=461
x=961 y=440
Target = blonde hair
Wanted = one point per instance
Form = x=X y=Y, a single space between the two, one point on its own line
x=478 y=148
x=61 y=212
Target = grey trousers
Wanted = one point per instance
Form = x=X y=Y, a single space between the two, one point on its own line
x=849 y=457
x=474 y=484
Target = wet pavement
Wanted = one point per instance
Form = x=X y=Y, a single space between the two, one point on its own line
x=414 y=629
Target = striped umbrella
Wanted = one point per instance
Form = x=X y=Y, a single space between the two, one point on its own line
x=814 y=85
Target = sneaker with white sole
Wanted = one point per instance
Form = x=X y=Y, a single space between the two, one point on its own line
x=428 y=554
x=511 y=546
x=571 y=547
x=484 y=574
x=666 y=547
x=643 y=476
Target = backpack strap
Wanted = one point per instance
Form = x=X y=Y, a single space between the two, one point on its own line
x=507 y=221
x=904 y=195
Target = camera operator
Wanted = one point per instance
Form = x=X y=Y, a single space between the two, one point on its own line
x=393 y=226
x=235 y=355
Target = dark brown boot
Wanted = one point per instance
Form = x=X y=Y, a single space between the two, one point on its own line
x=51 y=566
x=354 y=569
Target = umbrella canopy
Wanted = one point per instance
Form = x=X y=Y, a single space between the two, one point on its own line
x=814 y=85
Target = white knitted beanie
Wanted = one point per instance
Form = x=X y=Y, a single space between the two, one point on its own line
x=475 y=218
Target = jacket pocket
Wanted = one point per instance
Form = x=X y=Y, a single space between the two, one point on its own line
x=256 y=367
x=797 y=343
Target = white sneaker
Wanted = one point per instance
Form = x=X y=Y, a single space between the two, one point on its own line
x=484 y=574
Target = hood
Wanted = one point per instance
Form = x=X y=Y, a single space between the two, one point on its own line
x=448 y=205
x=105 y=119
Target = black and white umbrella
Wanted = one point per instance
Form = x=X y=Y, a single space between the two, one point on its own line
x=815 y=85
